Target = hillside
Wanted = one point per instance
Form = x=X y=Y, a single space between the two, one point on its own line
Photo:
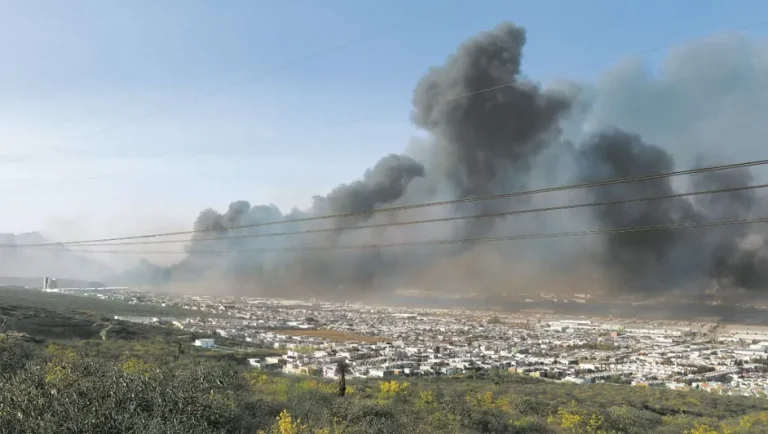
x=61 y=359
x=131 y=390
x=36 y=263
x=89 y=325
x=63 y=303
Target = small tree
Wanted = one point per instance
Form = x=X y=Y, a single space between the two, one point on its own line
x=342 y=369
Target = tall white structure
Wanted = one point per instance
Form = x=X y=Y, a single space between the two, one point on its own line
x=50 y=284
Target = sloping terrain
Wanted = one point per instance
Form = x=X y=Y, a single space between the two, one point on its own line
x=96 y=306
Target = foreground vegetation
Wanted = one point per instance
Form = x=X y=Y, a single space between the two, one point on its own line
x=70 y=371
x=149 y=386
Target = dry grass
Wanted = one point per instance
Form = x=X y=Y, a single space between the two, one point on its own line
x=333 y=335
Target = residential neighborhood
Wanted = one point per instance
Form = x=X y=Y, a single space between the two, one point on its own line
x=388 y=342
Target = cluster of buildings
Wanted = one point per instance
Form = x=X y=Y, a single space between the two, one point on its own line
x=389 y=342
x=51 y=284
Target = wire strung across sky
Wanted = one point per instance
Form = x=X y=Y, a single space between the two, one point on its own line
x=592 y=184
x=534 y=236
x=434 y=220
x=424 y=205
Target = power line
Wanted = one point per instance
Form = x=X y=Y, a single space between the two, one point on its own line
x=418 y=206
x=461 y=241
x=435 y=220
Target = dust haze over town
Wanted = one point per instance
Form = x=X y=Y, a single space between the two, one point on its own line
x=703 y=107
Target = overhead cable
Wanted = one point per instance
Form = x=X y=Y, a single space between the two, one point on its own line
x=432 y=220
x=635 y=229
x=590 y=184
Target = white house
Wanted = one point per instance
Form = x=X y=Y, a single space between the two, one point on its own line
x=205 y=343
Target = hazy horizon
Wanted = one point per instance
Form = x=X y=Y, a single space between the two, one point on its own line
x=106 y=135
x=77 y=74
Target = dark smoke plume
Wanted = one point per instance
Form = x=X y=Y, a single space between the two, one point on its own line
x=706 y=100
x=486 y=141
x=381 y=185
x=660 y=260
x=737 y=261
x=637 y=256
x=384 y=183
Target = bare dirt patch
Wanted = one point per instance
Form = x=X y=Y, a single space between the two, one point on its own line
x=334 y=335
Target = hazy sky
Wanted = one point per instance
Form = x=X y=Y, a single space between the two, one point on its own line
x=132 y=116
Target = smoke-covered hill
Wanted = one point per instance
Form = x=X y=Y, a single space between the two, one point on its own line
x=706 y=105
x=29 y=264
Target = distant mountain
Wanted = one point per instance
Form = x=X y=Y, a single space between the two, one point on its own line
x=38 y=262
x=143 y=273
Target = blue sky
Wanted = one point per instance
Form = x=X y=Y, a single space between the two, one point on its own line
x=103 y=129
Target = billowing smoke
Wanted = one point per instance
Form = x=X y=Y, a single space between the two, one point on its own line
x=486 y=141
x=661 y=260
x=706 y=104
x=637 y=256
